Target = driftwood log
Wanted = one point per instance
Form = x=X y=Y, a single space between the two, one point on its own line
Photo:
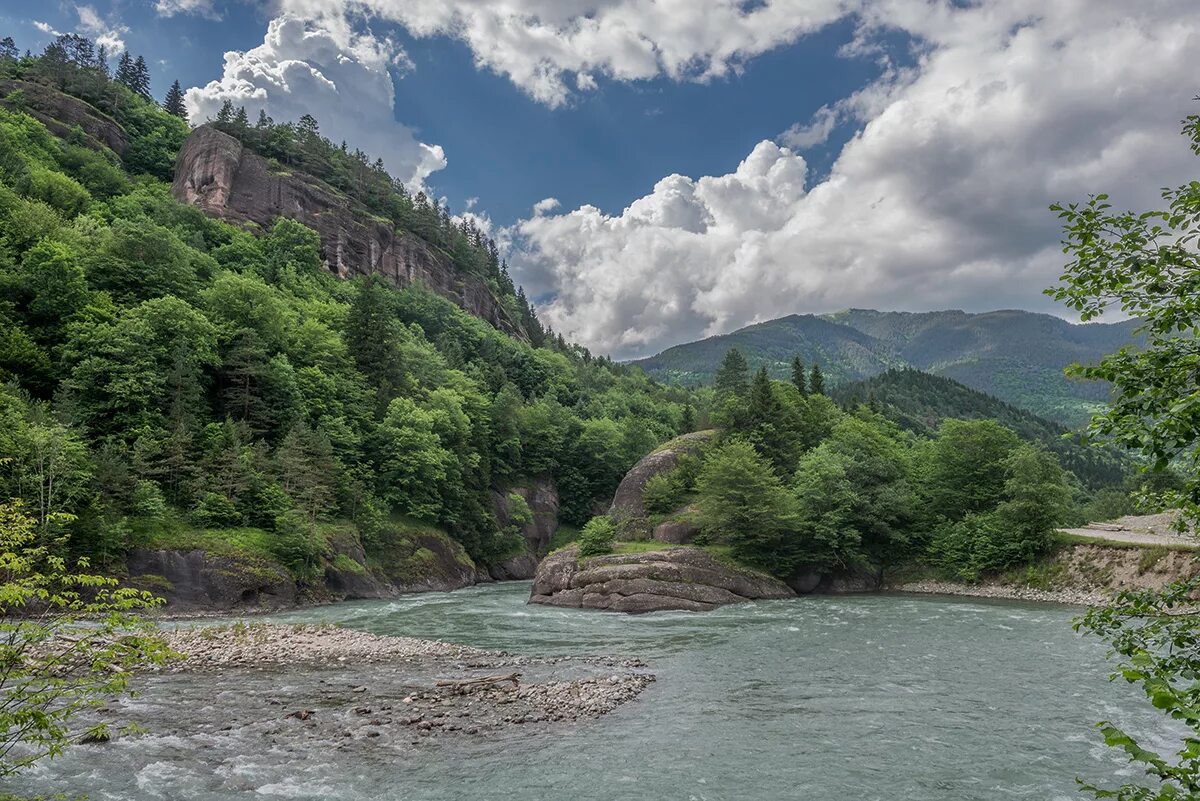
x=481 y=682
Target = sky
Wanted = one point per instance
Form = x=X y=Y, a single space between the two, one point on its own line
x=662 y=170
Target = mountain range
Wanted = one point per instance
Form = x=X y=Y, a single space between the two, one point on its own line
x=1016 y=356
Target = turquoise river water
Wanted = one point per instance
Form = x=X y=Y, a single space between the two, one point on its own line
x=824 y=698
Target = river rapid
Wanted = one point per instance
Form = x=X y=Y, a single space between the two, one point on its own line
x=823 y=698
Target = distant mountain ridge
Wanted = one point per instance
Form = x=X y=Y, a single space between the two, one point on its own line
x=1017 y=356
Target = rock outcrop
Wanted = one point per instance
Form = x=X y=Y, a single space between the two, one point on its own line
x=199 y=581
x=541 y=496
x=196 y=580
x=628 y=504
x=61 y=113
x=674 y=578
x=217 y=174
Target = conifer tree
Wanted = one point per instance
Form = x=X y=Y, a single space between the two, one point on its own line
x=141 y=78
x=225 y=114
x=174 y=101
x=733 y=376
x=798 y=378
x=816 y=381
x=102 y=61
x=125 y=75
x=8 y=49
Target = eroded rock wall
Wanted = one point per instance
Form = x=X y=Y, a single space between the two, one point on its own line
x=217 y=174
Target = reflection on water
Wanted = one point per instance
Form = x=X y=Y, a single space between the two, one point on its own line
x=862 y=697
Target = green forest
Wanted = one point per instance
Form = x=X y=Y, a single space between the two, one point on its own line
x=168 y=376
x=171 y=380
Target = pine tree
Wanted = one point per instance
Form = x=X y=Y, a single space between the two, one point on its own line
x=102 y=61
x=8 y=49
x=240 y=120
x=225 y=114
x=174 y=102
x=141 y=78
x=816 y=381
x=733 y=376
x=264 y=122
x=798 y=379
x=125 y=74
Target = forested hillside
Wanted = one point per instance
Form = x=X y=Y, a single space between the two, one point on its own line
x=171 y=379
x=1016 y=356
x=919 y=402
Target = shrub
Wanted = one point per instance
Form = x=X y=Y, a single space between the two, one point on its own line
x=148 y=501
x=215 y=511
x=597 y=536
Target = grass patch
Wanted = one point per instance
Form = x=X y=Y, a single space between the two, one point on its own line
x=641 y=546
x=175 y=534
x=563 y=537
x=1150 y=557
x=345 y=564
x=1078 y=539
x=1045 y=574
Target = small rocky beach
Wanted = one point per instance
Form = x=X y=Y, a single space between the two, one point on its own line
x=388 y=689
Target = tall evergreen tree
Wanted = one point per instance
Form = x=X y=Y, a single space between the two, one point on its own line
x=733 y=376
x=125 y=71
x=141 y=78
x=798 y=377
x=102 y=61
x=8 y=49
x=174 y=102
x=816 y=381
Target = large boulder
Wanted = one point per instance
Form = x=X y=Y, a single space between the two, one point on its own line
x=628 y=504
x=197 y=580
x=217 y=174
x=674 y=578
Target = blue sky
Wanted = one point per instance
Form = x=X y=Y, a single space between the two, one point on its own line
x=716 y=163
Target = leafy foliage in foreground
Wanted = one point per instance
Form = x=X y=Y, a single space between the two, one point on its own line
x=1156 y=636
x=68 y=641
x=1146 y=264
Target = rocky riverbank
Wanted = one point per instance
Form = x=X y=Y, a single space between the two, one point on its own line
x=369 y=686
x=1071 y=597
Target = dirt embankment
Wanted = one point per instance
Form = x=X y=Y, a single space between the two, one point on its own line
x=1083 y=574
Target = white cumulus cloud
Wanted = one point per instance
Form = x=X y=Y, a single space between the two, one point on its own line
x=199 y=8
x=940 y=200
x=547 y=47
x=108 y=34
x=342 y=78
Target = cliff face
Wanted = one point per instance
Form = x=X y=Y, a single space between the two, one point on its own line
x=217 y=174
x=61 y=113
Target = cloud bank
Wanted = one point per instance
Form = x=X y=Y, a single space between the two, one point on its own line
x=551 y=48
x=940 y=199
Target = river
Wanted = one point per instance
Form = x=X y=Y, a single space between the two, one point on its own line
x=823 y=698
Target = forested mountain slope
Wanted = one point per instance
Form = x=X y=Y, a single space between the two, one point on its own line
x=919 y=402
x=171 y=380
x=1016 y=356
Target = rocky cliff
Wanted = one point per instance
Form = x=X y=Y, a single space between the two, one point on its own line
x=541 y=496
x=61 y=114
x=217 y=174
x=195 y=580
x=674 y=578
